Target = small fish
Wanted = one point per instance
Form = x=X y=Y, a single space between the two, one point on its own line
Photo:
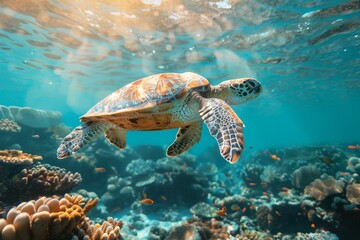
x=326 y=160
x=251 y=199
x=163 y=197
x=277 y=213
x=252 y=207
x=243 y=210
x=251 y=146
x=227 y=174
x=99 y=170
x=248 y=179
x=265 y=194
x=235 y=207
x=222 y=212
x=147 y=201
x=353 y=146
x=35 y=136
x=252 y=184
x=344 y=174
x=312 y=225
x=284 y=189
x=274 y=157
x=116 y=209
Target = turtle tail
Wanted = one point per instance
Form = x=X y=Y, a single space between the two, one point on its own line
x=79 y=137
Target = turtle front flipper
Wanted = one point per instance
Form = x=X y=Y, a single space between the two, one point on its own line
x=225 y=126
x=116 y=136
x=185 y=138
x=79 y=137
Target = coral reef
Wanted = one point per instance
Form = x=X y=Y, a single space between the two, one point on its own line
x=17 y=157
x=45 y=218
x=304 y=175
x=44 y=180
x=30 y=117
x=108 y=230
x=320 y=189
x=7 y=125
x=353 y=193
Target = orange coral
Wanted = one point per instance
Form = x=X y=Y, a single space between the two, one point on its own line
x=46 y=218
x=17 y=157
x=109 y=229
x=320 y=189
x=7 y=125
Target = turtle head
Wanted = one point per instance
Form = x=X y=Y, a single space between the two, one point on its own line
x=238 y=90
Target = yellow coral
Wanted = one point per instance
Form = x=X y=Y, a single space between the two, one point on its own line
x=17 y=157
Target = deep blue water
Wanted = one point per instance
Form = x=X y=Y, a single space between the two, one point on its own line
x=307 y=62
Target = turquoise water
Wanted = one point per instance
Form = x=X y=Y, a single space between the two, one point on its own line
x=66 y=56
x=308 y=64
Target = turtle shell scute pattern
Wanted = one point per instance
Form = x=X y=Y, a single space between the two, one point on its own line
x=150 y=91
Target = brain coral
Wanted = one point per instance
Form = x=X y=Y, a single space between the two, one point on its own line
x=320 y=189
x=17 y=157
x=7 y=125
x=45 y=218
x=45 y=180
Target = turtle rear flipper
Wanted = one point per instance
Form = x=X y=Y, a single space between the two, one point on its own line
x=79 y=137
x=225 y=126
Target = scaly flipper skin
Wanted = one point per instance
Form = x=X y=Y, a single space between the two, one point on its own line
x=117 y=136
x=225 y=126
x=185 y=138
x=79 y=137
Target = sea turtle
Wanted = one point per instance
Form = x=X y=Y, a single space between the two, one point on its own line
x=164 y=101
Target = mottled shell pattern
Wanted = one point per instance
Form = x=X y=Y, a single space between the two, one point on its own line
x=149 y=92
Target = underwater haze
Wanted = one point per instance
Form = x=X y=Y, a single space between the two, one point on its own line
x=62 y=57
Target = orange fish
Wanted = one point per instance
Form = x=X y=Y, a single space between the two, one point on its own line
x=251 y=199
x=312 y=225
x=252 y=207
x=147 y=201
x=284 y=189
x=99 y=169
x=353 y=146
x=243 y=210
x=274 y=157
x=222 y=212
x=252 y=184
x=344 y=174
x=235 y=207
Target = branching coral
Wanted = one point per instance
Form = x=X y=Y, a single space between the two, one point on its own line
x=108 y=230
x=46 y=218
x=7 y=125
x=320 y=189
x=45 y=180
x=17 y=157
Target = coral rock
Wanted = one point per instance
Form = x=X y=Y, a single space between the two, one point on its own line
x=7 y=125
x=53 y=219
x=45 y=180
x=17 y=157
x=353 y=193
x=304 y=175
x=320 y=189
